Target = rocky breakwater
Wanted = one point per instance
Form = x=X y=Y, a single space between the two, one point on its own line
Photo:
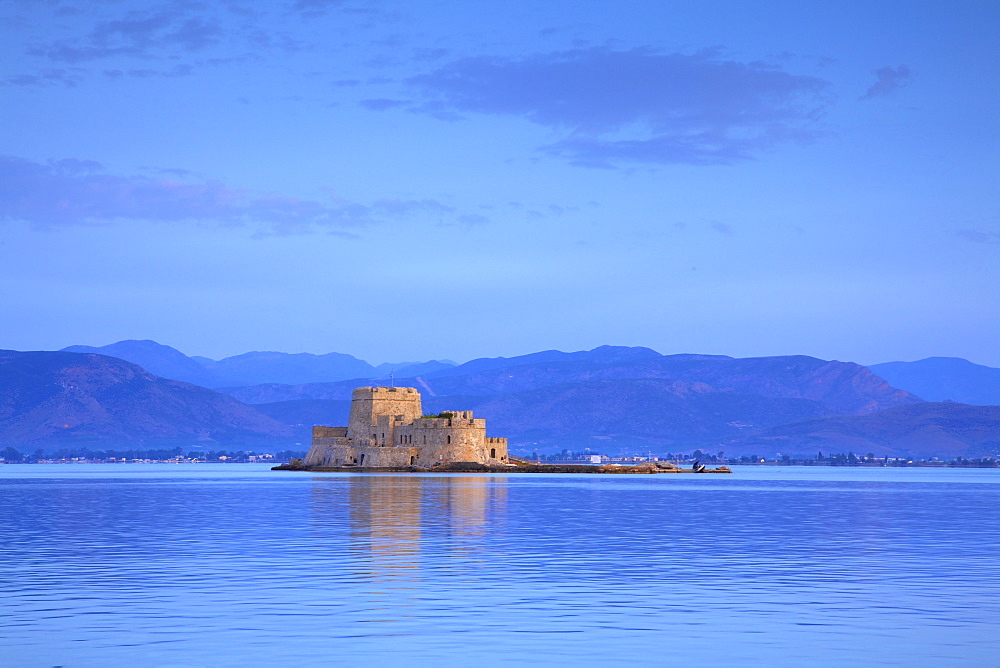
x=473 y=467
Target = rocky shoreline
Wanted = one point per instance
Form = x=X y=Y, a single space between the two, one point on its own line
x=472 y=467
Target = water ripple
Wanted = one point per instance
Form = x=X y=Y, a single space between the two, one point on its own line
x=237 y=566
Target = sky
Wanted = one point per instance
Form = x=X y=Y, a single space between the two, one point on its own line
x=405 y=181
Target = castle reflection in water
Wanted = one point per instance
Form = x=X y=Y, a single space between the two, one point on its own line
x=402 y=525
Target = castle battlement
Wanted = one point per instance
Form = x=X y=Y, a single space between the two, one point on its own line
x=448 y=423
x=386 y=428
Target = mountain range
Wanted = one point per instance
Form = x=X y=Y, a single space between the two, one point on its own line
x=254 y=367
x=945 y=379
x=611 y=399
x=69 y=399
x=616 y=399
x=942 y=429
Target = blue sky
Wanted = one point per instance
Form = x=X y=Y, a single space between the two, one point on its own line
x=415 y=180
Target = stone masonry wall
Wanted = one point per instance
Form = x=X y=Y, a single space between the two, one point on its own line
x=328 y=432
x=386 y=430
x=458 y=439
x=367 y=403
x=364 y=456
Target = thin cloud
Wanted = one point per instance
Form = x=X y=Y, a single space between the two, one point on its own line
x=470 y=219
x=381 y=104
x=81 y=192
x=47 y=77
x=313 y=9
x=180 y=70
x=137 y=34
x=890 y=79
x=636 y=106
x=722 y=228
x=979 y=236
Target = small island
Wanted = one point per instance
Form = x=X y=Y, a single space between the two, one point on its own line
x=388 y=431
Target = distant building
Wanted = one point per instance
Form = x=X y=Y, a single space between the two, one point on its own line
x=387 y=428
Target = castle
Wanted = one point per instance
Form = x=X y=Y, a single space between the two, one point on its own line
x=387 y=428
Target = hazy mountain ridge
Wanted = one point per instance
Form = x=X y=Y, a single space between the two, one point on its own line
x=841 y=387
x=941 y=429
x=302 y=414
x=945 y=379
x=612 y=414
x=612 y=399
x=253 y=368
x=599 y=355
x=259 y=367
x=156 y=358
x=58 y=398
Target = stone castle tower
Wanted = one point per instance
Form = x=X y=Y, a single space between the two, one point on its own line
x=387 y=429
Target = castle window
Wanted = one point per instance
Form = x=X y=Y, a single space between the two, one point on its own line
x=449 y=438
x=493 y=453
x=413 y=460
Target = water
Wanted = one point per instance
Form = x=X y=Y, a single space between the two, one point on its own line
x=233 y=565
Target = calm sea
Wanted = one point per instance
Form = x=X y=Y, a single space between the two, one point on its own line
x=233 y=565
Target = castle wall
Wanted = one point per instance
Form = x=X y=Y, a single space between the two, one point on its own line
x=386 y=430
x=363 y=456
x=328 y=432
x=461 y=438
x=367 y=403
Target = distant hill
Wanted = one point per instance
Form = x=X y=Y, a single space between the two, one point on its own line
x=618 y=399
x=156 y=358
x=52 y=399
x=302 y=414
x=621 y=416
x=944 y=379
x=253 y=368
x=945 y=430
x=599 y=355
x=613 y=399
x=273 y=367
x=411 y=369
x=608 y=415
x=839 y=387
x=842 y=387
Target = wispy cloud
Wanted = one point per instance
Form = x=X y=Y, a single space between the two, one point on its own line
x=636 y=106
x=137 y=34
x=722 y=228
x=81 y=192
x=45 y=77
x=316 y=7
x=979 y=236
x=167 y=38
x=889 y=80
x=180 y=70
x=380 y=104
